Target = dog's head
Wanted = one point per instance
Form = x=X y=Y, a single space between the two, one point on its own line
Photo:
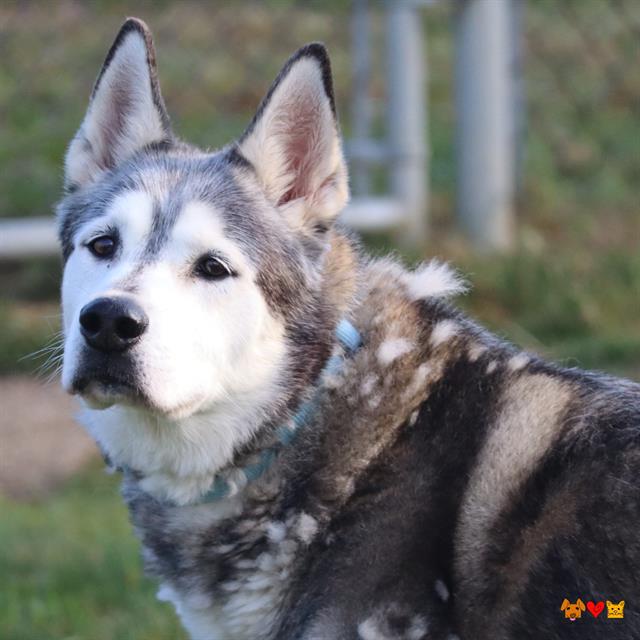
x=615 y=610
x=572 y=611
x=194 y=281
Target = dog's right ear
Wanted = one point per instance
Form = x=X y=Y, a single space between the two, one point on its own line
x=564 y=605
x=126 y=110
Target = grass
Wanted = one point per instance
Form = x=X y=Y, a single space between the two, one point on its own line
x=71 y=569
x=575 y=308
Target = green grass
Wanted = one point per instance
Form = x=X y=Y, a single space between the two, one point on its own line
x=574 y=308
x=71 y=569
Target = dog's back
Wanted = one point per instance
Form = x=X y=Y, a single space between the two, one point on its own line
x=552 y=507
x=514 y=487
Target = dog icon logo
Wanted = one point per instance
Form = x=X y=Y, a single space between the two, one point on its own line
x=573 y=611
x=615 y=611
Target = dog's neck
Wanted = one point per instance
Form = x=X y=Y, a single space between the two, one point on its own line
x=198 y=458
x=175 y=460
x=409 y=339
x=254 y=461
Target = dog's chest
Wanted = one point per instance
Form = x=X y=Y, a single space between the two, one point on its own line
x=226 y=567
x=246 y=611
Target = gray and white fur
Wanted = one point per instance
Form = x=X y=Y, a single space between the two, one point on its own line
x=448 y=485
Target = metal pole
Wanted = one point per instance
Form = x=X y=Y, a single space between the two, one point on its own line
x=406 y=117
x=361 y=113
x=485 y=123
x=519 y=92
x=28 y=237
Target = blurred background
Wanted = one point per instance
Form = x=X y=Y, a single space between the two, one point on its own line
x=502 y=135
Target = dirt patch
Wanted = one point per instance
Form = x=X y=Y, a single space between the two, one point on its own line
x=40 y=443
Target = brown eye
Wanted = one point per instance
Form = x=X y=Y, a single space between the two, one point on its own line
x=102 y=246
x=211 y=268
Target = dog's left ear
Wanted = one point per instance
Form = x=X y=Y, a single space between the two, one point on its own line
x=126 y=112
x=294 y=143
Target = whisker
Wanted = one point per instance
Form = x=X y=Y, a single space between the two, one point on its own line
x=54 y=344
x=53 y=362
x=53 y=357
x=54 y=374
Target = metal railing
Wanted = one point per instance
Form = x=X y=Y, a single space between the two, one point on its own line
x=485 y=105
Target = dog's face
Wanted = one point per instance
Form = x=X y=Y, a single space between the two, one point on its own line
x=615 y=611
x=572 y=611
x=190 y=276
x=168 y=314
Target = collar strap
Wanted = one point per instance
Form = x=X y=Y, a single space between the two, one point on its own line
x=230 y=481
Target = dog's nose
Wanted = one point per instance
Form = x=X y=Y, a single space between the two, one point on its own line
x=112 y=324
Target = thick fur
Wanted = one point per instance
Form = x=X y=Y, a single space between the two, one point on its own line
x=447 y=485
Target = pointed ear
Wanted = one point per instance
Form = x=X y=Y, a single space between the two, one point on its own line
x=126 y=111
x=294 y=143
x=581 y=605
x=564 y=605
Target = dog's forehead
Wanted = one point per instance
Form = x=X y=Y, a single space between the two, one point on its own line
x=199 y=228
x=158 y=191
x=195 y=202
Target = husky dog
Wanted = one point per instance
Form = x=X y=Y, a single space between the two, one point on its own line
x=316 y=445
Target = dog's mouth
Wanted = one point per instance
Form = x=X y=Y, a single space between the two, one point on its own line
x=104 y=390
x=105 y=381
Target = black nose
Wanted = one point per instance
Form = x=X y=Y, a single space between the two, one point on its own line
x=112 y=324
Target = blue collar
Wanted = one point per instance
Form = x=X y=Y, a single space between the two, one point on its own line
x=350 y=339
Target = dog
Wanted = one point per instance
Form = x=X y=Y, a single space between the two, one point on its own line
x=615 y=611
x=573 y=611
x=316 y=444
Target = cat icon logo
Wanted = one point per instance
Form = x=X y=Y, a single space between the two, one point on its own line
x=615 y=611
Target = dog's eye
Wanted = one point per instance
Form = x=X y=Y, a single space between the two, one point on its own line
x=102 y=246
x=211 y=268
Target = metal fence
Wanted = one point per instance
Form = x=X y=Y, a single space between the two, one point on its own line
x=402 y=151
x=541 y=99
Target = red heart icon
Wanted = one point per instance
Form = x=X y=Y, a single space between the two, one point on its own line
x=595 y=608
